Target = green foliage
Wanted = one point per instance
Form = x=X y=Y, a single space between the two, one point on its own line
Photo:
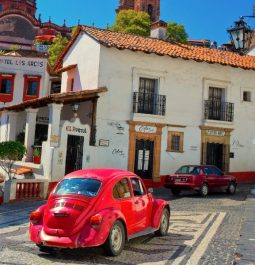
x=74 y=29
x=130 y=21
x=2 y=52
x=36 y=152
x=58 y=45
x=176 y=32
x=10 y=152
x=15 y=47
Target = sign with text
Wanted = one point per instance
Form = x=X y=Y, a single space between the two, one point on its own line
x=31 y=63
x=145 y=129
x=215 y=133
x=74 y=129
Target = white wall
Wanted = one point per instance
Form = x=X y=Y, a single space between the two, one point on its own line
x=185 y=83
x=85 y=53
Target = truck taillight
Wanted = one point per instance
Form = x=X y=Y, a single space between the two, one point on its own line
x=35 y=217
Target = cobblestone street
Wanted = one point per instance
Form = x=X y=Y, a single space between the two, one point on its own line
x=202 y=231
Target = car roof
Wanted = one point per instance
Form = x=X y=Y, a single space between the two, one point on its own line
x=102 y=174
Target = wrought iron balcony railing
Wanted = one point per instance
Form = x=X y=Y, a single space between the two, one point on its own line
x=218 y=110
x=149 y=103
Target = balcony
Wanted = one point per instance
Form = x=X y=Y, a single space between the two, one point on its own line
x=148 y=103
x=218 y=110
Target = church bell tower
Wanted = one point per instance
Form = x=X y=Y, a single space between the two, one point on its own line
x=152 y=7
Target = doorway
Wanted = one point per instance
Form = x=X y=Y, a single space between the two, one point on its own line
x=215 y=155
x=144 y=158
x=74 y=153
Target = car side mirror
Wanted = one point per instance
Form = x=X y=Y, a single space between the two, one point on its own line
x=150 y=190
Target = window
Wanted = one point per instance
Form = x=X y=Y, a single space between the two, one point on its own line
x=1 y=8
x=192 y=170
x=137 y=187
x=247 y=96
x=122 y=190
x=6 y=87
x=175 y=142
x=147 y=96
x=31 y=87
x=55 y=87
x=79 y=186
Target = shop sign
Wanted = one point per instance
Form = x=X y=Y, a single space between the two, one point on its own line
x=215 y=133
x=42 y=120
x=103 y=142
x=145 y=129
x=74 y=129
x=54 y=139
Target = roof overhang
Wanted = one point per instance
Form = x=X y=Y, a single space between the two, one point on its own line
x=61 y=98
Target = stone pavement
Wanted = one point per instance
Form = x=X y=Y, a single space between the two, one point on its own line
x=203 y=231
x=245 y=254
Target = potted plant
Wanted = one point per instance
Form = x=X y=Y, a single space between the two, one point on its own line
x=37 y=156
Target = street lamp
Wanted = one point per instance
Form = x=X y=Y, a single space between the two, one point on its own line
x=241 y=35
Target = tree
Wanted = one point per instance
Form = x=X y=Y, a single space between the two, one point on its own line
x=10 y=152
x=176 y=32
x=130 y=21
x=57 y=46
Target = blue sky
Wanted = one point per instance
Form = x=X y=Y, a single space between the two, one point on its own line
x=203 y=19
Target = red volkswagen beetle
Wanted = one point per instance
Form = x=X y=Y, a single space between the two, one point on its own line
x=96 y=207
x=199 y=178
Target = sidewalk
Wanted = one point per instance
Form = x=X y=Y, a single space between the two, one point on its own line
x=246 y=247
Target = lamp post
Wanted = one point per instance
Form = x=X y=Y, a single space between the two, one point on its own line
x=241 y=35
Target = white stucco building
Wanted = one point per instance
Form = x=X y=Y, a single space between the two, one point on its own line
x=145 y=105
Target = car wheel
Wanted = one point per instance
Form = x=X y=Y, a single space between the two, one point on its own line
x=164 y=223
x=176 y=192
x=231 y=188
x=204 y=190
x=116 y=240
x=46 y=249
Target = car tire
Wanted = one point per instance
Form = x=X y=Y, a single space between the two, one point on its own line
x=231 y=188
x=116 y=240
x=164 y=223
x=176 y=192
x=45 y=249
x=204 y=190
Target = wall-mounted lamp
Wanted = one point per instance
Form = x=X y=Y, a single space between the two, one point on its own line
x=75 y=108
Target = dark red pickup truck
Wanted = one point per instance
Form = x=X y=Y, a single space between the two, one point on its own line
x=201 y=178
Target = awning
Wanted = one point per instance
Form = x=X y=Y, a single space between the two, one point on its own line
x=60 y=98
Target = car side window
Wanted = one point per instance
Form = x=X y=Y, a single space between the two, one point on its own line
x=217 y=171
x=207 y=170
x=122 y=190
x=137 y=187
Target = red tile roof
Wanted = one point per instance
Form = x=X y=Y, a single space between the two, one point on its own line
x=65 y=98
x=162 y=48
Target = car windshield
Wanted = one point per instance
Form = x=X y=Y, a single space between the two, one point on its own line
x=191 y=170
x=79 y=186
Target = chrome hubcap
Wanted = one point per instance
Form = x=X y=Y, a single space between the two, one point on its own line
x=116 y=238
x=205 y=190
x=232 y=188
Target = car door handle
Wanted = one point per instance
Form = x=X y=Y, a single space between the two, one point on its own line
x=137 y=202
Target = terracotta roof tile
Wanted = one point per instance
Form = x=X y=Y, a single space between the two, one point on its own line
x=163 y=48
x=66 y=98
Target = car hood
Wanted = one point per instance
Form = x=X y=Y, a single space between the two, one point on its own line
x=65 y=216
